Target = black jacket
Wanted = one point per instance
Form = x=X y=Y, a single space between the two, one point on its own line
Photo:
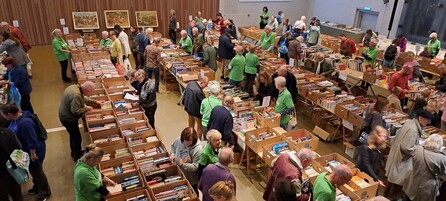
x=441 y=84
x=8 y=142
x=193 y=95
x=369 y=161
x=265 y=90
x=291 y=85
x=221 y=120
x=225 y=47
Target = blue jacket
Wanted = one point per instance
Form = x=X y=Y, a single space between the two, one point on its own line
x=225 y=47
x=19 y=76
x=143 y=41
x=221 y=120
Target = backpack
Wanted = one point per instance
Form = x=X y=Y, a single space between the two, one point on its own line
x=41 y=131
x=390 y=53
x=283 y=49
x=352 y=46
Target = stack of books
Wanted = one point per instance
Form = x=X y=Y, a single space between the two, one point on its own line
x=126 y=121
x=149 y=152
x=119 y=153
x=110 y=138
x=279 y=148
x=128 y=183
x=262 y=136
x=101 y=127
x=177 y=193
x=127 y=132
x=124 y=168
x=141 y=129
x=340 y=196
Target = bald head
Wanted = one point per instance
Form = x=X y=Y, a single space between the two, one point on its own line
x=195 y=31
x=226 y=156
x=282 y=71
x=320 y=56
x=305 y=156
x=183 y=33
x=203 y=81
x=88 y=87
x=341 y=175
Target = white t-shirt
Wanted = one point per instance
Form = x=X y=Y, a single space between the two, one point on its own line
x=299 y=24
x=124 y=39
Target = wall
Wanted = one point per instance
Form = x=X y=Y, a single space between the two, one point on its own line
x=247 y=14
x=37 y=18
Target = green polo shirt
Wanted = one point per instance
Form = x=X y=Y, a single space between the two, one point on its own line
x=200 y=19
x=86 y=180
x=208 y=155
x=434 y=47
x=284 y=101
x=237 y=66
x=105 y=42
x=372 y=54
x=186 y=44
x=206 y=108
x=252 y=62
x=264 y=20
x=323 y=190
x=59 y=43
x=266 y=41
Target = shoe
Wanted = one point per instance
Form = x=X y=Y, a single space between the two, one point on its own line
x=221 y=77
x=32 y=191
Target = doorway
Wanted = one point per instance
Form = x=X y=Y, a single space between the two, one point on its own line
x=366 y=19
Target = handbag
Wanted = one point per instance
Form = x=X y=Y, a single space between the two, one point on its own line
x=14 y=94
x=364 y=133
x=293 y=120
x=18 y=166
x=437 y=178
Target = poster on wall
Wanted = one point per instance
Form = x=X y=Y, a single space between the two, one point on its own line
x=85 y=20
x=113 y=17
x=146 y=19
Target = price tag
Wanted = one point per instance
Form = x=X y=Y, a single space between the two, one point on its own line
x=342 y=75
x=201 y=72
x=15 y=23
x=66 y=30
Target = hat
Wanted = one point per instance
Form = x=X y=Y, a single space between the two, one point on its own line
x=117 y=27
x=425 y=114
x=433 y=35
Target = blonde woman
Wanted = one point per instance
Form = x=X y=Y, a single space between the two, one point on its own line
x=222 y=191
x=115 y=49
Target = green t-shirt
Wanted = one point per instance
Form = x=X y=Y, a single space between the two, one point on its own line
x=252 y=62
x=59 y=43
x=372 y=54
x=323 y=190
x=206 y=108
x=208 y=155
x=105 y=42
x=264 y=20
x=186 y=44
x=284 y=101
x=434 y=47
x=267 y=41
x=86 y=180
x=200 y=19
x=237 y=66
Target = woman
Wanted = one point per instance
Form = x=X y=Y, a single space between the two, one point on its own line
x=208 y=104
x=373 y=118
x=263 y=87
x=285 y=190
x=209 y=155
x=222 y=191
x=173 y=26
x=390 y=55
x=402 y=40
x=186 y=151
x=115 y=49
x=237 y=66
x=14 y=48
x=282 y=46
x=284 y=104
x=264 y=16
x=313 y=33
x=368 y=156
x=416 y=67
x=147 y=96
x=19 y=76
x=62 y=52
x=89 y=184
x=134 y=44
x=22 y=124
x=251 y=69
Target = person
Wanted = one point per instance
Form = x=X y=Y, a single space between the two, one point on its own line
x=8 y=187
x=286 y=190
x=233 y=29
x=147 y=96
x=209 y=57
x=325 y=185
x=221 y=120
x=313 y=33
x=401 y=80
x=391 y=53
x=373 y=118
x=14 y=49
x=72 y=107
x=286 y=26
x=143 y=42
x=295 y=50
x=263 y=86
x=193 y=96
x=347 y=47
x=273 y=23
x=62 y=52
x=124 y=39
x=369 y=158
x=429 y=163
x=22 y=124
x=264 y=16
x=279 y=17
x=173 y=27
x=222 y=191
x=443 y=117
x=134 y=42
x=267 y=38
x=283 y=46
x=433 y=108
x=105 y=41
x=209 y=154
x=440 y=85
x=425 y=53
x=284 y=104
x=369 y=35
x=15 y=32
x=420 y=103
x=402 y=40
x=197 y=47
x=152 y=55
x=225 y=52
x=185 y=42
x=237 y=66
x=220 y=23
x=325 y=67
x=291 y=84
x=115 y=49
x=299 y=26
x=218 y=172
x=416 y=67
x=251 y=69
x=130 y=74
x=201 y=26
x=207 y=105
x=186 y=151
x=89 y=184
x=393 y=99
x=399 y=162
x=371 y=52
x=433 y=44
x=288 y=166
x=199 y=18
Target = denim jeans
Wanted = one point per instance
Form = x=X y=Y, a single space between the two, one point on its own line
x=237 y=84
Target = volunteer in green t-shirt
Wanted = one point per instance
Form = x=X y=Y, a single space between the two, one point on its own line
x=267 y=38
x=264 y=16
x=284 y=104
x=105 y=42
x=210 y=151
x=236 y=66
x=89 y=184
x=62 y=52
x=324 y=188
x=185 y=42
x=433 y=44
x=207 y=105
x=251 y=69
x=371 y=52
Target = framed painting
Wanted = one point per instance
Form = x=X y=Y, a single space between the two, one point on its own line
x=85 y=20
x=146 y=19
x=113 y=17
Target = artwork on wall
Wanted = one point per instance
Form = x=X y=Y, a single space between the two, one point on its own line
x=85 y=20
x=146 y=19
x=113 y=17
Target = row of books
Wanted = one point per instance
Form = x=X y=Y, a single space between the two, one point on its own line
x=177 y=193
x=149 y=152
x=97 y=117
x=127 y=184
x=262 y=136
x=123 y=168
x=110 y=138
x=138 y=140
x=151 y=163
x=101 y=127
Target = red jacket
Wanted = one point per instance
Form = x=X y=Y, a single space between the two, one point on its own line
x=399 y=80
x=16 y=33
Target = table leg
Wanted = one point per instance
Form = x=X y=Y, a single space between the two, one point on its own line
x=248 y=158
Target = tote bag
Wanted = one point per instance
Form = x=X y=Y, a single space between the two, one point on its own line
x=14 y=94
x=18 y=166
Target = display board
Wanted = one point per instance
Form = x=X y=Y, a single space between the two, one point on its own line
x=85 y=20
x=113 y=17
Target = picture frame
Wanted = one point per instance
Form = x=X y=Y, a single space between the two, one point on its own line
x=146 y=18
x=113 y=17
x=85 y=20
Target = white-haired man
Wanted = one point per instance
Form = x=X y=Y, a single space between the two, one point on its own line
x=284 y=104
x=434 y=45
x=197 y=47
x=299 y=26
x=185 y=42
x=105 y=41
x=325 y=184
x=267 y=38
x=371 y=52
x=208 y=104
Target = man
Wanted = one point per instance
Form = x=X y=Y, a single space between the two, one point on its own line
x=124 y=39
x=207 y=105
x=300 y=26
x=280 y=15
x=214 y=173
x=284 y=103
x=371 y=52
x=8 y=187
x=16 y=33
x=143 y=42
x=324 y=66
x=209 y=57
x=288 y=166
x=325 y=184
x=347 y=47
x=273 y=23
x=153 y=59
x=199 y=18
x=185 y=42
x=105 y=41
x=295 y=49
x=197 y=47
x=221 y=120
x=393 y=99
x=72 y=107
x=267 y=38
x=401 y=80
x=225 y=52
x=399 y=161
x=440 y=85
x=369 y=35
x=291 y=83
x=193 y=95
x=433 y=44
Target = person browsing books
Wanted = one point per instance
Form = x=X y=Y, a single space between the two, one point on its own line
x=147 y=96
x=209 y=154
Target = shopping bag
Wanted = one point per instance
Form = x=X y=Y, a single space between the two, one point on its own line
x=14 y=94
x=18 y=166
x=120 y=68
x=127 y=65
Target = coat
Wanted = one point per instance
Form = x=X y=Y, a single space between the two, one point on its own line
x=225 y=47
x=370 y=161
x=193 y=95
x=399 y=162
x=72 y=105
x=210 y=57
x=221 y=120
x=189 y=167
x=421 y=184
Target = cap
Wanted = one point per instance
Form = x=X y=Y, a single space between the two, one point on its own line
x=425 y=114
x=117 y=26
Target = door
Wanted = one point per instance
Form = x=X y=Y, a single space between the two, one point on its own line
x=368 y=20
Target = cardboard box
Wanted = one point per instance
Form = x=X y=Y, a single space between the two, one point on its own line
x=349 y=149
x=268 y=157
x=256 y=145
x=341 y=111
x=126 y=195
x=262 y=121
x=355 y=119
x=362 y=192
x=291 y=136
x=321 y=133
x=146 y=146
x=105 y=134
x=111 y=149
x=315 y=95
x=353 y=196
x=169 y=186
x=323 y=161
x=316 y=167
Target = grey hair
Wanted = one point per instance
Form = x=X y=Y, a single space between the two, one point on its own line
x=305 y=154
x=149 y=30
x=195 y=29
x=156 y=40
x=105 y=33
x=88 y=85
x=281 y=81
x=183 y=32
x=214 y=89
x=212 y=134
x=434 y=142
x=55 y=31
x=268 y=27
x=225 y=156
x=300 y=39
x=3 y=24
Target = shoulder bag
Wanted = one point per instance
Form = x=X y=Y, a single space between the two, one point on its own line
x=365 y=132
